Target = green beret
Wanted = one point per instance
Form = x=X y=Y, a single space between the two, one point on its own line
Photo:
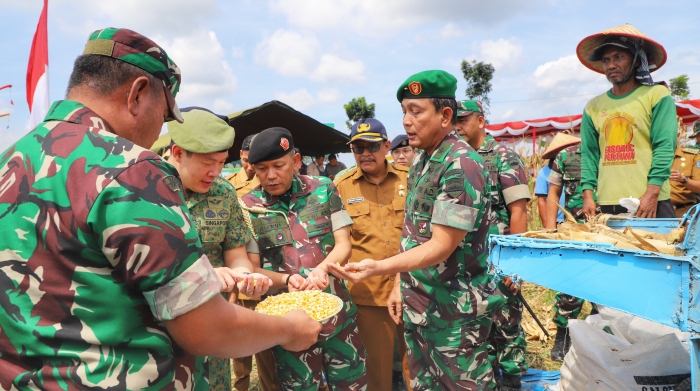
x=428 y=84
x=270 y=144
x=466 y=107
x=201 y=132
x=696 y=128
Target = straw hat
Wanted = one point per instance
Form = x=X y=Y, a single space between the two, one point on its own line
x=655 y=52
x=560 y=141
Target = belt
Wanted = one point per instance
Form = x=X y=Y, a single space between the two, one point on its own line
x=681 y=206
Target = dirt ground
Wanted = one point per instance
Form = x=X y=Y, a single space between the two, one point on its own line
x=542 y=302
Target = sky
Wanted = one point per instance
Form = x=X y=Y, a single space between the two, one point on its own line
x=316 y=55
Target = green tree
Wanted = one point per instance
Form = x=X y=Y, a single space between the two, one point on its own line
x=478 y=76
x=356 y=109
x=679 y=87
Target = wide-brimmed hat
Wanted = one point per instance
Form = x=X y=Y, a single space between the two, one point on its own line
x=559 y=142
x=656 y=53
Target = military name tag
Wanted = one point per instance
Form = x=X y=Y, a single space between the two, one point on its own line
x=320 y=226
x=355 y=200
x=572 y=167
x=314 y=213
x=265 y=224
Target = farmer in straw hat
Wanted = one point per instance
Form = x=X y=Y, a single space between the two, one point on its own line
x=628 y=134
x=565 y=150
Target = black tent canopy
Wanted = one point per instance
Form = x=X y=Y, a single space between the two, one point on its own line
x=310 y=136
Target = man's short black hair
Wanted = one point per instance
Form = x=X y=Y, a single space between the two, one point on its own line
x=105 y=74
x=332 y=156
x=441 y=103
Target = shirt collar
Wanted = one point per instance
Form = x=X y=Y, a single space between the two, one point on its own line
x=489 y=144
x=77 y=113
x=359 y=174
x=298 y=188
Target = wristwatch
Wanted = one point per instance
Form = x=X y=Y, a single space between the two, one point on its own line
x=685 y=179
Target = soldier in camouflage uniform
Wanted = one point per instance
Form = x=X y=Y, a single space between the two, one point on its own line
x=448 y=296
x=101 y=270
x=300 y=227
x=566 y=175
x=199 y=150
x=509 y=196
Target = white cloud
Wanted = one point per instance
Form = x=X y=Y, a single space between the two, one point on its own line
x=299 y=99
x=205 y=72
x=376 y=18
x=451 y=31
x=334 y=69
x=147 y=17
x=508 y=115
x=691 y=57
x=329 y=95
x=237 y=52
x=288 y=53
x=502 y=54
x=222 y=106
x=565 y=77
x=293 y=54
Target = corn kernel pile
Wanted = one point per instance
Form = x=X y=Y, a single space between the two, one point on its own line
x=318 y=305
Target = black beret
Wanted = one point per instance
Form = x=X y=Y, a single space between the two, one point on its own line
x=270 y=144
x=399 y=141
x=246 y=142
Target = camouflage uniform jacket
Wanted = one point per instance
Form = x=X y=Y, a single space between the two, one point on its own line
x=566 y=172
x=219 y=220
x=98 y=249
x=449 y=188
x=508 y=181
x=298 y=239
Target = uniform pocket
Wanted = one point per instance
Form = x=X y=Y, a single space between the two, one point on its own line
x=399 y=204
x=361 y=220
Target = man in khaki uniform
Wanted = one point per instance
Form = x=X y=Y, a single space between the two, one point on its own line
x=375 y=193
x=685 y=175
x=244 y=180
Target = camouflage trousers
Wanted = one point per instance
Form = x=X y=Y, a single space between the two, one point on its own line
x=567 y=307
x=507 y=343
x=450 y=359
x=341 y=357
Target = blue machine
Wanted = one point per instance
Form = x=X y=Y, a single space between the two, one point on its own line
x=661 y=288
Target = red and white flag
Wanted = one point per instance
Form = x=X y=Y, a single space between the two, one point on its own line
x=38 y=72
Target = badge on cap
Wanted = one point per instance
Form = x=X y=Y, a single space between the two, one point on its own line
x=415 y=88
x=363 y=127
x=284 y=143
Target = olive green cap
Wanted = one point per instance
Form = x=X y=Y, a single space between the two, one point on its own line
x=466 y=107
x=428 y=84
x=201 y=132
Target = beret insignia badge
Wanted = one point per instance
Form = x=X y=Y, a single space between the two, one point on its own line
x=415 y=88
x=363 y=127
x=284 y=143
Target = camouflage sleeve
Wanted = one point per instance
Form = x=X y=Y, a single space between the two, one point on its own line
x=237 y=231
x=142 y=225
x=460 y=200
x=557 y=173
x=339 y=216
x=512 y=177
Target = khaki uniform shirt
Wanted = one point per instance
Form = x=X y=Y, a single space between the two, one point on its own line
x=240 y=181
x=377 y=212
x=688 y=161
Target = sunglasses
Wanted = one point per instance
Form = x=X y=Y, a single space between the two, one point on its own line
x=359 y=150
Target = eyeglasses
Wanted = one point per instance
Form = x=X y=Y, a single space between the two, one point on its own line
x=359 y=150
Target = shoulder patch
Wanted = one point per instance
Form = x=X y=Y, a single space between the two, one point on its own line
x=454 y=187
x=453 y=172
x=173 y=183
x=336 y=203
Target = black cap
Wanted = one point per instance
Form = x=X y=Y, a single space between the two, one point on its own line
x=399 y=141
x=247 y=141
x=270 y=144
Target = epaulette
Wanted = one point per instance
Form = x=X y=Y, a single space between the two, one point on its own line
x=399 y=167
x=344 y=174
x=691 y=151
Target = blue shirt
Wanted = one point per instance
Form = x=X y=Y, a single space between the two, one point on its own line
x=542 y=188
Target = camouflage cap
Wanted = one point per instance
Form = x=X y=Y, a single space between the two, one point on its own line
x=428 y=84
x=466 y=107
x=202 y=131
x=135 y=49
x=696 y=129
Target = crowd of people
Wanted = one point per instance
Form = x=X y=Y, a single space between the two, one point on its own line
x=124 y=269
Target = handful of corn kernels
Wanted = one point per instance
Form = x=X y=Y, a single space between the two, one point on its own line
x=318 y=305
